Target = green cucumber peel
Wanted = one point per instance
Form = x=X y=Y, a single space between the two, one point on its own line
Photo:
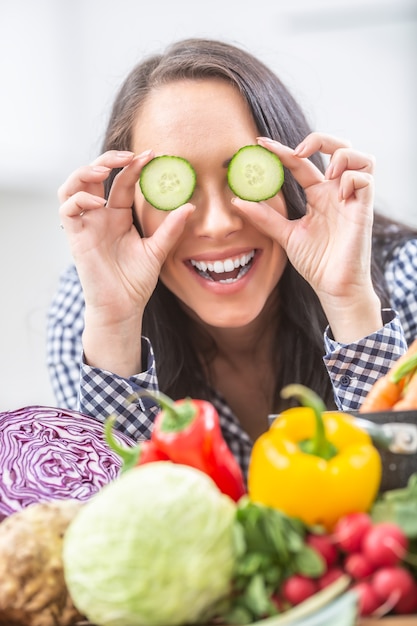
x=167 y=182
x=255 y=174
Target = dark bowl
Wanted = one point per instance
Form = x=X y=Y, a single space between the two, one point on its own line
x=396 y=468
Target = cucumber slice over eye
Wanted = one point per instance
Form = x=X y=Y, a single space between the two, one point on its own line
x=255 y=173
x=167 y=182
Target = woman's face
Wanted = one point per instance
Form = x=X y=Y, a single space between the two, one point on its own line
x=222 y=268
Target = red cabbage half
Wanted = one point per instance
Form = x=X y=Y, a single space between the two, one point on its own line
x=52 y=454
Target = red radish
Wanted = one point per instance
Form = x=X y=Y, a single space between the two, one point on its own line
x=368 y=599
x=393 y=584
x=324 y=545
x=358 y=566
x=408 y=604
x=385 y=544
x=350 y=531
x=298 y=588
x=330 y=576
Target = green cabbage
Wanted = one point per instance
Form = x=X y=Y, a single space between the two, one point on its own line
x=153 y=548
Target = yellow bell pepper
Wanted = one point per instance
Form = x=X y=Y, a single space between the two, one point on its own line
x=314 y=464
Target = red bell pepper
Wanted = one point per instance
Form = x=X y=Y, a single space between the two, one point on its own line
x=188 y=432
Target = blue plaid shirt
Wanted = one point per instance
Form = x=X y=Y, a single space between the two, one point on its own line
x=353 y=369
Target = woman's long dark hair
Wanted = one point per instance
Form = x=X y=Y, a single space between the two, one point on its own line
x=298 y=346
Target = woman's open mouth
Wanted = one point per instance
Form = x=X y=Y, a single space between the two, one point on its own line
x=225 y=271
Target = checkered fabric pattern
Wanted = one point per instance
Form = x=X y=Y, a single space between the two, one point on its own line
x=352 y=368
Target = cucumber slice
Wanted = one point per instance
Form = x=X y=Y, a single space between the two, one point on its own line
x=167 y=182
x=255 y=173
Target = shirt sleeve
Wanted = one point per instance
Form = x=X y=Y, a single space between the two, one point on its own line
x=354 y=368
x=103 y=393
x=401 y=278
x=64 y=327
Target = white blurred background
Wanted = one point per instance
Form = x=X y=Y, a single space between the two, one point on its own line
x=350 y=63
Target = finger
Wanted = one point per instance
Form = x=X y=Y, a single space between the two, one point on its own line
x=90 y=177
x=265 y=219
x=347 y=159
x=72 y=211
x=356 y=185
x=122 y=192
x=169 y=231
x=320 y=142
x=303 y=170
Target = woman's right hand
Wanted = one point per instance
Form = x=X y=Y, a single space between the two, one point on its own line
x=118 y=269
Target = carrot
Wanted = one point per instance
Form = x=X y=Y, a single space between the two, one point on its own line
x=382 y=396
x=408 y=401
x=388 y=390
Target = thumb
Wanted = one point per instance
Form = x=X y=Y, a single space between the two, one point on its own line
x=266 y=219
x=168 y=233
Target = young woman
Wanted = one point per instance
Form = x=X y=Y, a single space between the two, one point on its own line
x=222 y=298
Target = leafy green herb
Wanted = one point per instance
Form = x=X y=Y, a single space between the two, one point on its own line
x=270 y=547
x=399 y=506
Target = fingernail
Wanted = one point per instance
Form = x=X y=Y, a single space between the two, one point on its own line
x=99 y=201
x=100 y=168
x=145 y=153
x=123 y=154
x=266 y=139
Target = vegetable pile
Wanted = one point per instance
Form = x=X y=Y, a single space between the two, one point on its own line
x=50 y=454
x=168 y=535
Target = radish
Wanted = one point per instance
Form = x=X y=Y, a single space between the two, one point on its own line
x=324 y=545
x=368 y=599
x=358 y=565
x=350 y=531
x=393 y=583
x=408 y=604
x=298 y=588
x=385 y=544
x=332 y=574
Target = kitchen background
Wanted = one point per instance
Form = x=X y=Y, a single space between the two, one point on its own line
x=351 y=63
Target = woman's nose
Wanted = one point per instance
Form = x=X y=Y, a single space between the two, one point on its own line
x=215 y=216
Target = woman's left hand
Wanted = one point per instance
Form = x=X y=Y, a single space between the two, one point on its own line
x=330 y=246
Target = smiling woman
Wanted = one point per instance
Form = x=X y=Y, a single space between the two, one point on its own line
x=224 y=299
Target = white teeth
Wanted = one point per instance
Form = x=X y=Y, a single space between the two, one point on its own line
x=228 y=265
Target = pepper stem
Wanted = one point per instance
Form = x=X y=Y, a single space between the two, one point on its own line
x=129 y=455
x=176 y=416
x=319 y=445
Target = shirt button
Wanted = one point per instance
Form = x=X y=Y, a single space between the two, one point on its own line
x=345 y=381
